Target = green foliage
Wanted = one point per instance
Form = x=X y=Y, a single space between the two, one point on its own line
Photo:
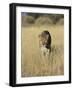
x=42 y=19
x=56 y=17
x=35 y=15
x=27 y=20
x=61 y=21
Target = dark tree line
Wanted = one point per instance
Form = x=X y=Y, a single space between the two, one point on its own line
x=32 y=17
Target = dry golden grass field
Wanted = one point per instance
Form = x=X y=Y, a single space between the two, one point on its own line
x=32 y=63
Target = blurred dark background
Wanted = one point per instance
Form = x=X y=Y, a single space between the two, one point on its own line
x=28 y=19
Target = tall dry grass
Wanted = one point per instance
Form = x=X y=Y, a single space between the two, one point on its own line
x=32 y=63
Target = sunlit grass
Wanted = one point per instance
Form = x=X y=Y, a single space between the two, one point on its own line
x=32 y=63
